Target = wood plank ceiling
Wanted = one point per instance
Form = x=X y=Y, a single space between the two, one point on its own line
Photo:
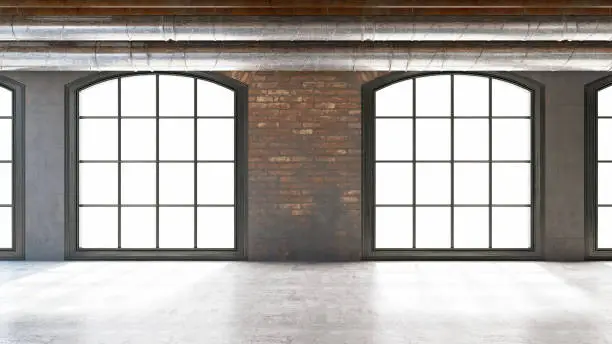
x=304 y=7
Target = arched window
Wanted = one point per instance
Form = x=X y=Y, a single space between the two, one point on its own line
x=12 y=178
x=598 y=183
x=157 y=166
x=450 y=166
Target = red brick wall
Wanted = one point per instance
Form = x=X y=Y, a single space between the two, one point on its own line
x=304 y=164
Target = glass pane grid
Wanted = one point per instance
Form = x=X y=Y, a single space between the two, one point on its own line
x=454 y=160
x=484 y=205
x=7 y=141
x=155 y=117
x=158 y=212
x=603 y=233
x=393 y=189
x=603 y=201
x=92 y=205
x=153 y=161
x=448 y=117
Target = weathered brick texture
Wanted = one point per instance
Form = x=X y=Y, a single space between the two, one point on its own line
x=304 y=164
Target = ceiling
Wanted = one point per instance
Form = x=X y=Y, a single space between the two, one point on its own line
x=305 y=7
x=382 y=35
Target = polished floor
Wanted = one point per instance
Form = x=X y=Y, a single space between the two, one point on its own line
x=382 y=302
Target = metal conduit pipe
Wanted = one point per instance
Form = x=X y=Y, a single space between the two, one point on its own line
x=223 y=28
x=297 y=57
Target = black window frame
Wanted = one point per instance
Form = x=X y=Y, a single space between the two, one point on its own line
x=369 y=252
x=17 y=252
x=591 y=91
x=72 y=250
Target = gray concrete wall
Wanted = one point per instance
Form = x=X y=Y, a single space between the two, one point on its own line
x=563 y=163
x=44 y=143
x=564 y=229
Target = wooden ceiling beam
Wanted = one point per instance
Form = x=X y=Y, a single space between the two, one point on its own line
x=307 y=3
x=305 y=7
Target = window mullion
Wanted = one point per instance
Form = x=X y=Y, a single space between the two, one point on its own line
x=195 y=164
x=471 y=203
x=98 y=102
x=119 y=163
x=490 y=163
x=157 y=161
x=452 y=161
x=414 y=184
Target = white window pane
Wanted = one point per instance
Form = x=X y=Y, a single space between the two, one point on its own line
x=216 y=183
x=471 y=227
x=471 y=139
x=176 y=139
x=511 y=227
x=138 y=139
x=138 y=226
x=604 y=227
x=471 y=95
x=433 y=183
x=604 y=183
x=176 y=97
x=433 y=95
x=393 y=227
x=393 y=139
x=433 y=227
x=176 y=183
x=99 y=100
x=604 y=102
x=511 y=183
x=216 y=227
x=510 y=100
x=6 y=227
x=6 y=139
x=138 y=183
x=176 y=227
x=214 y=100
x=98 y=227
x=138 y=96
x=395 y=99
x=98 y=183
x=394 y=183
x=433 y=139
x=6 y=183
x=604 y=139
x=471 y=183
x=98 y=139
x=511 y=139
x=6 y=102
x=215 y=139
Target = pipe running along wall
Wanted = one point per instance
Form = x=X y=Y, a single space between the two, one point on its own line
x=249 y=28
x=36 y=56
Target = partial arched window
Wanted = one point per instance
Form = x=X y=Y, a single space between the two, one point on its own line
x=12 y=178
x=598 y=205
x=157 y=166
x=450 y=165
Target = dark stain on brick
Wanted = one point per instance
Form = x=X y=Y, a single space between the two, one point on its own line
x=304 y=165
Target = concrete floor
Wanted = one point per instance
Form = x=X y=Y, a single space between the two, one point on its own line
x=383 y=302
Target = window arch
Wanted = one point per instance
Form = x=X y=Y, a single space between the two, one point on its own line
x=156 y=166
x=598 y=203
x=12 y=166
x=451 y=166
